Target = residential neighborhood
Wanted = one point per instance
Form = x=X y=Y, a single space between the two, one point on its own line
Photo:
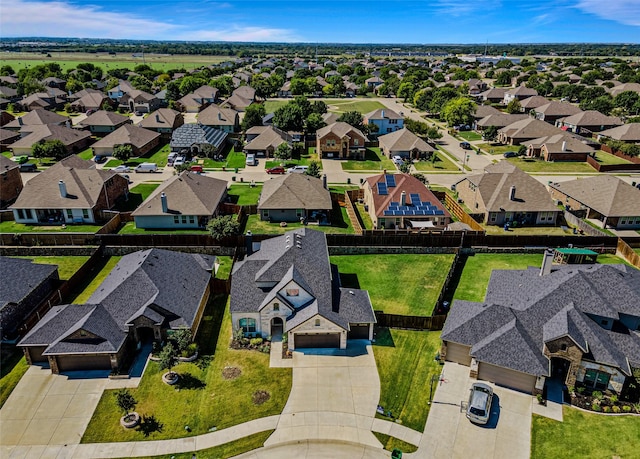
x=359 y=254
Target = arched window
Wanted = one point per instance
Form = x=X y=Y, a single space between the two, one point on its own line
x=276 y=307
x=317 y=322
x=248 y=325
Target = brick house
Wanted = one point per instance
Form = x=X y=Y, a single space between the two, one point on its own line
x=10 y=181
x=340 y=141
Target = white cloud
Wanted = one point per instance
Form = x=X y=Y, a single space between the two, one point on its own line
x=462 y=8
x=59 y=19
x=622 y=11
x=22 y=18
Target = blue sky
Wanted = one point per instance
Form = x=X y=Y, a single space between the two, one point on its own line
x=365 y=21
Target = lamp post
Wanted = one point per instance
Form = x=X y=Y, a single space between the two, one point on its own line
x=434 y=378
x=464 y=162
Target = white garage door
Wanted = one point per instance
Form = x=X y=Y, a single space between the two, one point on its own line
x=508 y=378
x=458 y=353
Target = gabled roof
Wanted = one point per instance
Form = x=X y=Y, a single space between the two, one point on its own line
x=383 y=114
x=606 y=194
x=39 y=116
x=189 y=135
x=529 y=128
x=635 y=87
x=20 y=277
x=214 y=115
x=485 y=110
x=105 y=118
x=43 y=132
x=294 y=191
x=187 y=194
x=629 y=132
x=268 y=138
x=161 y=118
x=84 y=184
x=523 y=311
x=522 y=91
x=555 y=108
x=533 y=102
x=341 y=129
x=300 y=255
x=501 y=119
x=404 y=140
x=560 y=143
x=92 y=99
x=592 y=118
x=128 y=134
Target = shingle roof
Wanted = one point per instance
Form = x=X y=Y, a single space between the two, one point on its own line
x=187 y=194
x=294 y=191
x=38 y=116
x=383 y=114
x=592 y=118
x=404 y=140
x=501 y=119
x=523 y=310
x=606 y=194
x=104 y=118
x=629 y=132
x=215 y=115
x=529 y=128
x=533 y=102
x=162 y=118
x=20 y=277
x=341 y=129
x=561 y=143
x=43 y=132
x=268 y=138
x=555 y=108
x=189 y=135
x=301 y=254
x=128 y=134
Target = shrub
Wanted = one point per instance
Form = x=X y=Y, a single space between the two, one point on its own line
x=626 y=408
x=190 y=350
x=606 y=409
x=613 y=398
x=125 y=401
x=256 y=341
x=596 y=407
x=580 y=390
x=285 y=338
x=636 y=406
x=616 y=409
x=597 y=395
x=183 y=338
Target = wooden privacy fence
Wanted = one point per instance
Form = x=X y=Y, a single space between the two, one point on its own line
x=582 y=225
x=352 y=214
x=625 y=251
x=433 y=323
x=457 y=210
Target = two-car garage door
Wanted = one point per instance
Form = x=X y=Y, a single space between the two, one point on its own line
x=505 y=377
x=83 y=362
x=312 y=340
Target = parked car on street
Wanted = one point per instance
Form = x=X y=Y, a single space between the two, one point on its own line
x=146 y=167
x=479 y=406
x=20 y=159
x=297 y=169
x=28 y=167
x=465 y=145
x=196 y=168
x=510 y=154
x=121 y=168
x=276 y=170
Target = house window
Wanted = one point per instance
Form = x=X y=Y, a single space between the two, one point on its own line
x=192 y=219
x=299 y=213
x=69 y=213
x=276 y=307
x=476 y=205
x=248 y=325
x=85 y=213
x=20 y=213
x=184 y=219
x=563 y=347
x=356 y=142
x=596 y=379
x=176 y=219
x=292 y=292
x=265 y=213
x=492 y=217
x=317 y=322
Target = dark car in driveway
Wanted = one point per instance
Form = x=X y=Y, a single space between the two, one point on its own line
x=100 y=159
x=276 y=170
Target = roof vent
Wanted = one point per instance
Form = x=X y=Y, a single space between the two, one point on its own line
x=351 y=292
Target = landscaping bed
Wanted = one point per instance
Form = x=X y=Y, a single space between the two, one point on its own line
x=601 y=402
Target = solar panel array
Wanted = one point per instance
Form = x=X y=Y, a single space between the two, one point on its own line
x=391 y=180
x=382 y=189
x=417 y=207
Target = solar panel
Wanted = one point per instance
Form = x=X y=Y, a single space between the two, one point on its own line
x=382 y=189
x=391 y=180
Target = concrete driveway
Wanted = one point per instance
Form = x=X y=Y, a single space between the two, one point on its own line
x=449 y=434
x=333 y=397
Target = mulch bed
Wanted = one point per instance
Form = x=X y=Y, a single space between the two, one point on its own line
x=260 y=397
x=586 y=402
x=231 y=372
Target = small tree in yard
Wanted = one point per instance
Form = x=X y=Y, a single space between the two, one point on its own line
x=314 y=169
x=282 y=152
x=168 y=358
x=123 y=152
x=223 y=226
x=125 y=401
x=490 y=133
x=183 y=338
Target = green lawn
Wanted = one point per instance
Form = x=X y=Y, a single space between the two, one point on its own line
x=469 y=135
x=91 y=287
x=374 y=161
x=496 y=149
x=477 y=271
x=340 y=223
x=304 y=160
x=158 y=156
x=397 y=284
x=12 y=369
x=137 y=195
x=231 y=449
x=204 y=399
x=225 y=266
x=271 y=106
x=539 y=165
x=349 y=105
x=582 y=435
x=390 y=443
x=244 y=195
x=406 y=362
x=441 y=163
x=364 y=217
x=86 y=154
x=130 y=228
x=67 y=266
x=528 y=230
x=608 y=159
x=13 y=227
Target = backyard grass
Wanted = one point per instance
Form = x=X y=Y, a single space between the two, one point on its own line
x=224 y=269
x=244 y=195
x=130 y=228
x=203 y=399
x=540 y=165
x=477 y=271
x=158 y=155
x=441 y=163
x=86 y=154
x=528 y=230
x=398 y=284
x=406 y=362
x=271 y=106
x=12 y=369
x=469 y=135
x=13 y=227
x=374 y=161
x=363 y=217
x=340 y=224
x=67 y=266
x=91 y=287
x=137 y=195
x=583 y=435
x=231 y=449
x=608 y=159
x=390 y=443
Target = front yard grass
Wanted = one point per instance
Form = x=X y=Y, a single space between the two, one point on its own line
x=496 y=149
x=469 y=135
x=441 y=163
x=67 y=266
x=390 y=443
x=398 y=284
x=109 y=264
x=477 y=271
x=231 y=449
x=540 y=165
x=244 y=195
x=204 y=399
x=340 y=224
x=11 y=371
x=158 y=155
x=406 y=362
x=86 y=154
x=584 y=435
x=13 y=227
x=374 y=161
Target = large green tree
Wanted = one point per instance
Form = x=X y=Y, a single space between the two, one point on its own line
x=253 y=115
x=289 y=117
x=459 y=111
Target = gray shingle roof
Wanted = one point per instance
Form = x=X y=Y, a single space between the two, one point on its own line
x=20 y=277
x=523 y=310
x=301 y=255
x=189 y=135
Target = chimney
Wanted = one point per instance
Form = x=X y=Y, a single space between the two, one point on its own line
x=403 y=198
x=157 y=118
x=547 y=261
x=324 y=181
x=248 y=240
x=20 y=122
x=63 y=188
x=564 y=145
x=382 y=113
x=163 y=202
x=67 y=124
x=512 y=193
x=219 y=116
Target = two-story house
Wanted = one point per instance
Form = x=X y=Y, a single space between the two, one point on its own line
x=340 y=141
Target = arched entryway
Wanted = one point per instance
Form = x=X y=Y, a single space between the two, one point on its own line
x=145 y=334
x=277 y=326
x=559 y=368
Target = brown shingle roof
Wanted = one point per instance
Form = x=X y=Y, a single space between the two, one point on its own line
x=67 y=136
x=268 y=138
x=591 y=118
x=605 y=194
x=294 y=191
x=341 y=129
x=627 y=132
x=128 y=134
x=38 y=116
x=555 y=108
x=404 y=140
x=529 y=128
x=215 y=115
x=161 y=118
x=104 y=118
